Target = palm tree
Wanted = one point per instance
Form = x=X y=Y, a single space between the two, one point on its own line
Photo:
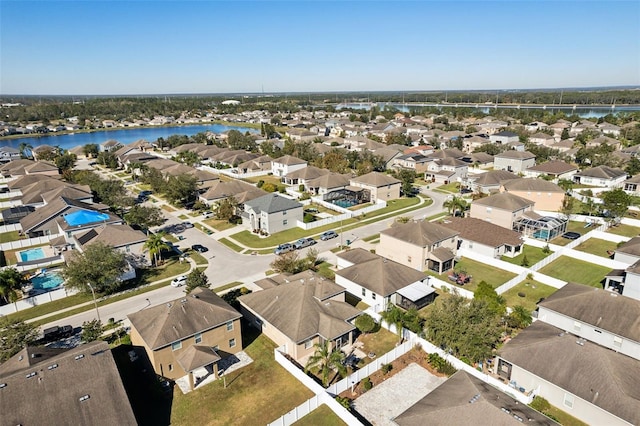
x=326 y=360
x=10 y=281
x=454 y=204
x=394 y=315
x=155 y=244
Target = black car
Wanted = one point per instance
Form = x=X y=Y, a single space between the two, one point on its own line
x=571 y=235
x=199 y=248
x=56 y=333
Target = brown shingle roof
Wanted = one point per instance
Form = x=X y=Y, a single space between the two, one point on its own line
x=309 y=172
x=197 y=356
x=553 y=167
x=422 y=233
x=494 y=177
x=531 y=184
x=331 y=180
x=602 y=172
x=596 y=374
x=376 y=179
x=201 y=310
x=112 y=235
x=483 y=232
x=289 y=160
x=357 y=255
x=504 y=201
x=631 y=247
x=516 y=155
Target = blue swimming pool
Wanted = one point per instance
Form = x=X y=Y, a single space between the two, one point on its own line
x=83 y=217
x=47 y=281
x=32 y=254
x=344 y=203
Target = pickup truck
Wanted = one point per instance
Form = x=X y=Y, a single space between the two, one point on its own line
x=52 y=334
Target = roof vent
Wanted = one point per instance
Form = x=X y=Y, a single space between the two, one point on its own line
x=580 y=341
x=168 y=305
x=30 y=375
x=83 y=398
x=613 y=294
x=77 y=357
x=475 y=398
x=52 y=366
x=195 y=296
x=20 y=358
x=3 y=385
x=183 y=301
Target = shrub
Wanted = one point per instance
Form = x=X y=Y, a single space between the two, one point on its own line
x=386 y=368
x=366 y=384
x=236 y=220
x=308 y=218
x=440 y=364
x=301 y=188
x=525 y=261
x=521 y=294
x=305 y=196
x=345 y=402
x=269 y=187
x=282 y=189
x=365 y=323
x=546 y=249
x=260 y=183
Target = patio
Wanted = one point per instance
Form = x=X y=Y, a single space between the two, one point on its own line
x=205 y=375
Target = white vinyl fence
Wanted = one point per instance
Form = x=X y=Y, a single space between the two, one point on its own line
x=27 y=242
x=10 y=228
x=30 y=302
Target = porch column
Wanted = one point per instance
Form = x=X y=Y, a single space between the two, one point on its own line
x=215 y=370
x=191 y=380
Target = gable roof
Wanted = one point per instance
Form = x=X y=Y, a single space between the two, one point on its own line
x=504 y=201
x=516 y=155
x=381 y=275
x=483 y=232
x=602 y=172
x=272 y=203
x=302 y=308
x=602 y=309
x=307 y=173
x=330 y=180
x=357 y=255
x=289 y=160
x=112 y=235
x=493 y=177
x=163 y=324
x=531 y=184
x=224 y=189
x=556 y=167
x=376 y=179
x=197 y=356
x=450 y=404
x=53 y=395
x=421 y=233
x=596 y=374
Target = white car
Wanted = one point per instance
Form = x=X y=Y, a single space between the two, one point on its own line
x=179 y=281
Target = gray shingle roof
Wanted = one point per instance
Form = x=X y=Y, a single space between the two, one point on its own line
x=553 y=167
x=516 y=155
x=376 y=179
x=531 y=184
x=504 y=201
x=272 y=203
x=483 y=232
x=422 y=233
x=494 y=177
x=602 y=172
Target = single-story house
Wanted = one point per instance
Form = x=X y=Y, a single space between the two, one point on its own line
x=556 y=169
x=300 y=311
x=485 y=238
x=608 y=177
x=187 y=334
x=272 y=213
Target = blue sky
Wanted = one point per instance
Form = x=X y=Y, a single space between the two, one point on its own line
x=151 y=47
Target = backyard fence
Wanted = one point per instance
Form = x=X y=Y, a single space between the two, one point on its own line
x=27 y=242
x=10 y=203
x=30 y=302
x=10 y=228
x=234 y=172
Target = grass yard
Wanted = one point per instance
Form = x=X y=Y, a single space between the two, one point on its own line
x=170 y=237
x=597 y=246
x=533 y=293
x=574 y=270
x=197 y=257
x=572 y=226
x=564 y=418
x=266 y=179
x=227 y=286
x=203 y=228
x=168 y=208
x=255 y=395
x=9 y=236
x=440 y=297
x=183 y=217
x=450 y=187
x=219 y=225
x=321 y=416
x=370 y=238
x=324 y=269
x=230 y=244
x=624 y=230
x=479 y=272
x=380 y=342
x=533 y=254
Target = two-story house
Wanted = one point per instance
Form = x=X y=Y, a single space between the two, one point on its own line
x=514 y=161
x=502 y=209
x=272 y=213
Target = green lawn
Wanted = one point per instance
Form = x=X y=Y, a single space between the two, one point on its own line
x=256 y=394
x=450 y=187
x=183 y=217
x=371 y=238
x=266 y=179
x=230 y=244
x=219 y=225
x=572 y=226
x=533 y=254
x=570 y=269
x=321 y=416
x=380 y=342
x=597 y=246
x=197 y=257
x=533 y=292
x=203 y=228
x=9 y=236
x=625 y=230
x=440 y=297
x=479 y=272
x=227 y=286
x=324 y=269
x=168 y=208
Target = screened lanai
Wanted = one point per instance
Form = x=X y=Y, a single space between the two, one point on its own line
x=544 y=228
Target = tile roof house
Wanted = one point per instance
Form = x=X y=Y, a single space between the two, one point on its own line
x=603 y=317
x=608 y=177
x=514 y=161
x=78 y=386
x=187 y=334
x=419 y=245
x=272 y=213
x=502 y=209
x=485 y=238
x=546 y=195
x=556 y=169
x=299 y=311
x=591 y=382
x=380 y=186
x=379 y=282
x=286 y=164
x=466 y=400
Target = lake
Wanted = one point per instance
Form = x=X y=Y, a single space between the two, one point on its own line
x=125 y=136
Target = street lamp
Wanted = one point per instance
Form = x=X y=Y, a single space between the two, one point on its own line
x=93 y=293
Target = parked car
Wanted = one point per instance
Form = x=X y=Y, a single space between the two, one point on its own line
x=571 y=235
x=304 y=242
x=187 y=225
x=179 y=281
x=207 y=215
x=328 y=235
x=283 y=248
x=145 y=193
x=52 y=334
x=199 y=248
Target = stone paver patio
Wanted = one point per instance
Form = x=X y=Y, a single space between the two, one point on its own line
x=204 y=376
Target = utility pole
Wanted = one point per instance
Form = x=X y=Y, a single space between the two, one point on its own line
x=93 y=293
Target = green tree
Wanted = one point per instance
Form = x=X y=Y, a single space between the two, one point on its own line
x=144 y=217
x=633 y=166
x=155 y=244
x=11 y=280
x=325 y=361
x=616 y=202
x=225 y=209
x=565 y=134
x=519 y=317
x=99 y=265
x=365 y=323
x=566 y=184
x=181 y=189
x=91 y=150
x=14 y=336
x=91 y=331
x=394 y=316
x=196 y=278
x=153 y=177
x=189 y=158
x=454 y=204
x=486 y=292
x=407 y=177
x=107 y=159
x=66 y=161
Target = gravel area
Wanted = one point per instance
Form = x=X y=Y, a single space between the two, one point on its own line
x=392 y=397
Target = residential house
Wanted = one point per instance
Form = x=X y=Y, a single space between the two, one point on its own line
x=488 y=182
x=514 y=161
x=546 y=195
x=420 y=245
x=286 y=164
x=535 y=126
x=465 y=399
x=448 y=153
x=300 y=311
x=565 y=147
x=378 y=185
x=485 y=238
x=446 y=170
x=8 y=154
x=603 y=317
x=378 y=282
x=503 y=209
x=580 y=126
x=605 y=176
x=413 y=161
x=388 y=155
x=119 y=236
x=272 y=213
x=187 y=334
x=609 y=129
x=625 y=281
x=474 y=142
x=240 y=190
x=77 y=386
x=603 y=140
x=480 y=160
x=42 y=152
x=632 y=185
x=259 y=164
x=588 y=381
x=110 y=145
x=555 y=169
x=302 y=176
x=504 y=137
x=628 y=252
x=327 y=183
x=542 y=139
x=23 y=181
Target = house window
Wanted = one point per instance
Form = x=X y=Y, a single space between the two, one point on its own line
x=232 y=343
x=170 y=367
x=284 y=212
x=284 y=222
x=198 y=338
x=229 y=325
x=577 y=326
x=176 y=345
x=488 y=209
x=308 y=344
x=617 y=341
x=127 y=249
x=364 y=291
x=373 y=295
x=409 y=259
x=568 y=400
